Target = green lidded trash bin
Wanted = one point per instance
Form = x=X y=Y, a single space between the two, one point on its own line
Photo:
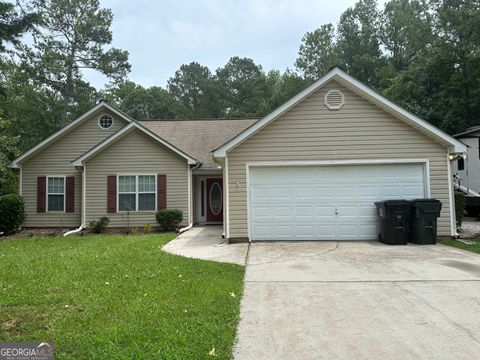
x=423 y=221
x=394 y=215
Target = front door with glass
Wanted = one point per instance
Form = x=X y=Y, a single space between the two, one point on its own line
x=214 y=200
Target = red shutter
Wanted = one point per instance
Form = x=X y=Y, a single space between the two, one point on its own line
x=41 y=193
x=70 y=194
x=161 y=192
x=111 y=193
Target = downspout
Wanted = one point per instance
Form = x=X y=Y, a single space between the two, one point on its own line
x=453 y=220
x=190 y=225
x=84 y=187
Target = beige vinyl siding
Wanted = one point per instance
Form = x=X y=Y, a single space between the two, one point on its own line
x=309 y=131
x=56 y=160
x=136 y=153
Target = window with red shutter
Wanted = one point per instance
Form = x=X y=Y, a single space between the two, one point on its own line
x=70 y=194
x=41 y=194
x=161 y=192
x=112 y=193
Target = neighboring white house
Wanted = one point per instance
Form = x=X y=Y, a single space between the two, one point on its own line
x=468 y=169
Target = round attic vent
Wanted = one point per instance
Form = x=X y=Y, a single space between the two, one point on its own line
x=334 y=100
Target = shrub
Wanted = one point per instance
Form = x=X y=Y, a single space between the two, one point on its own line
x=169 y=219
x=135 y=231
x=459 y=207
x=98 y=226
x=12 y=213
x=147 y=228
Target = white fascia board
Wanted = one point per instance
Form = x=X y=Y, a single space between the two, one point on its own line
x=122 y=132
x=16 y=163
x=421 y=125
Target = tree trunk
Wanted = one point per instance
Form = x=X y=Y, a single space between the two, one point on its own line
x=67 y=89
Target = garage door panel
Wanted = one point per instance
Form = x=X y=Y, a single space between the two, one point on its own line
x=283 y=193
x=348 y=211
x=325 y=211
x=283 y=211
x=259 y=231
x=304 y=211
x=302 y=192
x=326 y=202
x=262 y=211
x=305 y=230
x=283 y=230
x=261 y=192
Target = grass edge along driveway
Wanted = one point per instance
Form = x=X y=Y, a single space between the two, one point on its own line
x=475 y=248
x=117 y=297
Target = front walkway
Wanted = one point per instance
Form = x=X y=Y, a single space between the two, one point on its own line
x=206 y=242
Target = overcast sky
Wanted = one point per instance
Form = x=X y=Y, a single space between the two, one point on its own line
x=161 y=35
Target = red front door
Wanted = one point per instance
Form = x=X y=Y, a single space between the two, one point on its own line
x=214 y=200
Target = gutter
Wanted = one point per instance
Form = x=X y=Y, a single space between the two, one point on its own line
x=182 y=230
x=84 y=195
x=75 y=231
x=185 y=228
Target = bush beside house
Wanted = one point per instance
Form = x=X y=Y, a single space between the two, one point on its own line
x=12 y=213
x=169 y=219
x=99 y=226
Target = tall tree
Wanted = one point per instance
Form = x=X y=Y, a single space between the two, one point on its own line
x=358 y=42
x=443 y=86
x=27 y=106
x=405 y=31
x=194 y=87
x=72 y=36
x=318 y=52
x=8 y=151
x=142 y=103
x=284 y=86
x=458 y=30
x=244 y=88
x=13 y=23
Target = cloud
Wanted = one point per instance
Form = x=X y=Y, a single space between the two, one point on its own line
x=162 y=35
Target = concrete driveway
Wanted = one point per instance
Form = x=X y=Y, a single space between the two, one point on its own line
x=359 y=300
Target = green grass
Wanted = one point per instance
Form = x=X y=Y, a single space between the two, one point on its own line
x=117 y=297
x=458 y=244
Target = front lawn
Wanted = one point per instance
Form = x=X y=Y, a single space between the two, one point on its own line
x=458 y=244
x=117 y=297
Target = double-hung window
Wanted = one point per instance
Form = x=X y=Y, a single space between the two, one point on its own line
x=56 y=194
x=137 y=192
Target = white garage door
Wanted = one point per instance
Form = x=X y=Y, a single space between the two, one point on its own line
x=326 y=202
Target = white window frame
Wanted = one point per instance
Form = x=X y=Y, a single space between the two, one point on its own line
x=98 y=121
x=136 y=193
x=64 y=193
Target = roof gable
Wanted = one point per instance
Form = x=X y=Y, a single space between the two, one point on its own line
x=124 y=131
x=102 y=105
x=351 y=83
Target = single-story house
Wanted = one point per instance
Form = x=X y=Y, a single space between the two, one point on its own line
x=310 y=170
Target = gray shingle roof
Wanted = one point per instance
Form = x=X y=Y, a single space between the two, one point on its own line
x=198 y=138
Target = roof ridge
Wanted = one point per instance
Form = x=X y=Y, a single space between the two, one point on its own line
x=200 y=119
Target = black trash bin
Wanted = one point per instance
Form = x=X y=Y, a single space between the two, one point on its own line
x=423 y=221
x=394 y=216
